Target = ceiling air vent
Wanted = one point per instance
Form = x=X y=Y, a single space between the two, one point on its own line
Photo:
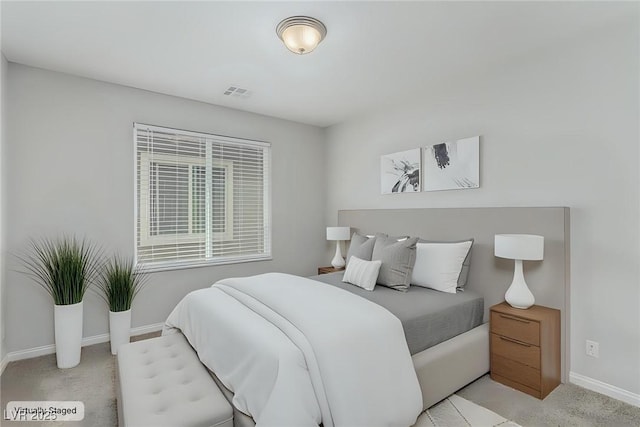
x=237 y=92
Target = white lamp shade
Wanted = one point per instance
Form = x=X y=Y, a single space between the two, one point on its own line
x=519 y=246
x=338 y=233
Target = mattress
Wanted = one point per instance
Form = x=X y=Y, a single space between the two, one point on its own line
x=428 y=317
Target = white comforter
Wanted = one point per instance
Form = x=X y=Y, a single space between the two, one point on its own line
x=297 y=352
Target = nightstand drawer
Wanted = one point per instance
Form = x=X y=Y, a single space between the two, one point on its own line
x=509 y=348
x=515 y=371
x=520 y=329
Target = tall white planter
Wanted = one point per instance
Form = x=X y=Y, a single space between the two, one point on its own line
x=68 y=333
x=119 y=329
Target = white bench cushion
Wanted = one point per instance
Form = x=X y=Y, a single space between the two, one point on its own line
x=163 y=383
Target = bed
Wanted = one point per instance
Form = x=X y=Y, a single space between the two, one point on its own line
x=445 y=334
x=428 y=317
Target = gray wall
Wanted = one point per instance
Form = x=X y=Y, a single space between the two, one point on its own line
x=558 y=127
x=70 y=169
x=3 y=181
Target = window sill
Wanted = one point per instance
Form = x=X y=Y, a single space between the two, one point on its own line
x=168 y=266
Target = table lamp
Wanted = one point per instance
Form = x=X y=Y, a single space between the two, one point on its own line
x=519 y=247
x=338 y=234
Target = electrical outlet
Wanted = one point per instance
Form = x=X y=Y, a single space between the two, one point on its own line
x=593 y=349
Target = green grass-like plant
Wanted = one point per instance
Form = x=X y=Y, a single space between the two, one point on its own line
x=120 y=282
x=65 y=267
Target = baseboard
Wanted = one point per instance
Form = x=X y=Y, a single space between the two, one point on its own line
x=50 y=349
x=604 y=388
x=3 y=363
x=141 y=330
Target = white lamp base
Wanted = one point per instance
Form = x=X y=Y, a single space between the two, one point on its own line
x=338 y=261
x=518 y=295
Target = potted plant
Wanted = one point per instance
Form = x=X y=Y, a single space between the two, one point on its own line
x=65 y=268
x=119 y=283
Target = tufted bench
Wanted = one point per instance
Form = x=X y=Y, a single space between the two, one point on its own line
x=161 y=382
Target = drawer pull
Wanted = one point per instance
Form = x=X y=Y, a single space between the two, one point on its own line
x=517 y=319
x=514 y=341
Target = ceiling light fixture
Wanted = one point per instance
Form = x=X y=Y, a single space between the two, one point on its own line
x=301 y=34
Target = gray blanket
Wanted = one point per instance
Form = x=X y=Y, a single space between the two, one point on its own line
x=428 y=317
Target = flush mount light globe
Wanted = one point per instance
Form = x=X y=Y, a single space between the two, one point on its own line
x=301 y=34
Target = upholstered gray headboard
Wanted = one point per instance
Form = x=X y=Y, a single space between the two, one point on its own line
x=490 y=276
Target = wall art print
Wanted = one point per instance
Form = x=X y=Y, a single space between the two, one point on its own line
x=452 y=165
x=400 y=172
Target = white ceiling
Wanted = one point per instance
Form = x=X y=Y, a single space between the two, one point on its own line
x=375 y=54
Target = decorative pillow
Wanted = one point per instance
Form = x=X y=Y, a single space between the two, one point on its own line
x=362 y=273
x=361 y=247
x=464 y=274
x=440 y=265
x=397 y=259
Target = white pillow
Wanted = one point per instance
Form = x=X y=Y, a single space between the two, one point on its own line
x=438 y=265
x=362 y=273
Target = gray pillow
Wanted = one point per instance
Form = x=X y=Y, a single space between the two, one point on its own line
x=466 y=264
x=397 y=259
x=361 y=247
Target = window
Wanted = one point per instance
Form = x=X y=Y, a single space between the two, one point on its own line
x=201 y=199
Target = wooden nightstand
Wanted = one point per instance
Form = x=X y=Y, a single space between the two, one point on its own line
x=525 y=348
x=326 y=270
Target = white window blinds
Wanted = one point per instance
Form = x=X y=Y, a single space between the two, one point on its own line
x=200 y=199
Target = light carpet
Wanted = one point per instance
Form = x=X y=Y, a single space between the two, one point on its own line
x=93 y=382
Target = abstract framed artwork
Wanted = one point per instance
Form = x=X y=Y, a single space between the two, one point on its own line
x=400 y=172
x=452 y=165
